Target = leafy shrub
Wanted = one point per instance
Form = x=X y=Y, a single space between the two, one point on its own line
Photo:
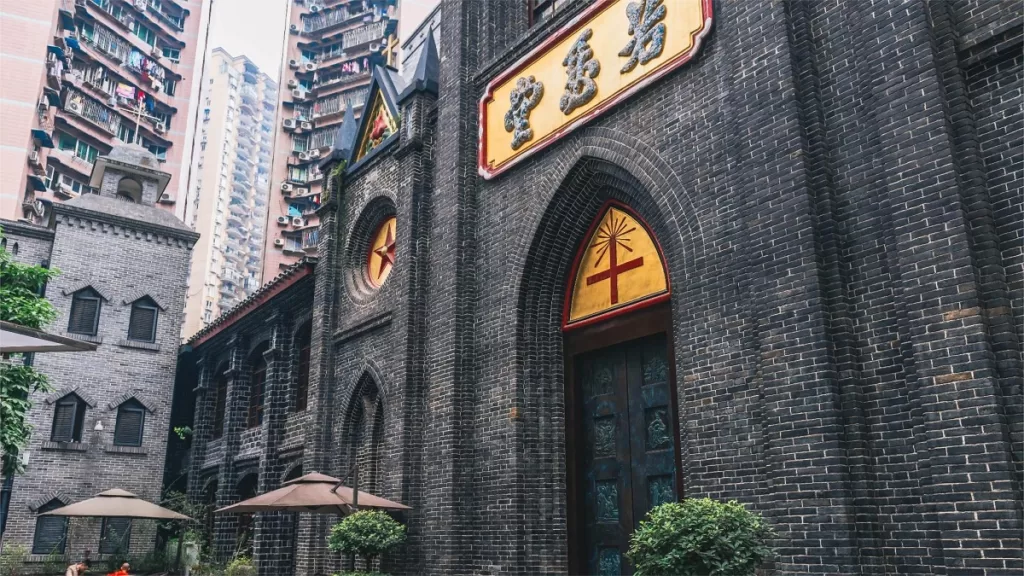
x=241 y=566
x=700 y=537
x=367 y=533
x=11 y=560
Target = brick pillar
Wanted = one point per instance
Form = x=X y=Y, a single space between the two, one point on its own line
x=313 y=556
x=225 y=526
x=202 y=429
x=272 y=542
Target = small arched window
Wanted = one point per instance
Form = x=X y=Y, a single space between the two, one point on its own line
x=51 y=531
x=142 y=325
x=257 y=384
x=68 y=419
x=85 y=312
x=220 y=403
x=131 y=420
x=129 y=190
x=301 y=399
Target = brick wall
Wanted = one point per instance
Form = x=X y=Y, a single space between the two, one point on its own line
x=837 y=189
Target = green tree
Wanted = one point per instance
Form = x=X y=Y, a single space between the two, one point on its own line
x=700 y=537
x=367 y=533
x=20 y=303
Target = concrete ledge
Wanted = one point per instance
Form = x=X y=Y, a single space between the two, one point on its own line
x=125 y=343
x=65 y=446
x=132 y=450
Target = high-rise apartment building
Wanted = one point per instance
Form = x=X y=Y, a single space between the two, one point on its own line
x=230 y=186
x=332 y=47
x=81 y=76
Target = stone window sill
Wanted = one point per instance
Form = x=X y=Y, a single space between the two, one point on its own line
x=37 y=558
x=85 y=337
x=133 y=450
x=65 y=446
x=139 y=345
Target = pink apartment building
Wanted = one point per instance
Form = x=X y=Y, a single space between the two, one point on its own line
x=78 y=77
x=331 y=49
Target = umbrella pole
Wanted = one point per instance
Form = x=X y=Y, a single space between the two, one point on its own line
x=181 y=543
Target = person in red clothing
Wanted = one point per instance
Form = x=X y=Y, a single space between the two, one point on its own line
x=123 y=571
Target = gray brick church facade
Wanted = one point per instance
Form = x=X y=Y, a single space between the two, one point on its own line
x=835 y=193
x=123 y=266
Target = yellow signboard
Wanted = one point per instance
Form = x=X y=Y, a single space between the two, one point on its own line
x=607 y=53
x=618 y=268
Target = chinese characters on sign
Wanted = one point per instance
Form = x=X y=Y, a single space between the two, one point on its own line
x=648 y=31
x=646 y=39
x=581 y=68
x=524 y=98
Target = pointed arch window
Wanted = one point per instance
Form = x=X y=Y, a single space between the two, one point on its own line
x=257 y=385
x=131 y=420
x=142 y=324
x=51 y=531
x=220 y=404
x=68 y=419
x=85 y=312
x=302 y=381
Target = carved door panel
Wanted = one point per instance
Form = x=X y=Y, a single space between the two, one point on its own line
x=628 y=446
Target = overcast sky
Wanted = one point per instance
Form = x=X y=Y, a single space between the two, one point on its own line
x=254 y=28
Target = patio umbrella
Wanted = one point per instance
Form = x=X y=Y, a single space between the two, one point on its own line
x=313 y=492
x=116 y=503
x=119 y=503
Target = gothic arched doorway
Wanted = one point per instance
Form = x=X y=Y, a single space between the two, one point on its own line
x=622 y=439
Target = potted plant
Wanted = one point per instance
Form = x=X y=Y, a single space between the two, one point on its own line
x=700 y=537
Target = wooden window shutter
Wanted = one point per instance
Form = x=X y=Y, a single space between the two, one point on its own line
x=85 y=313
x=131 y=417
x=115 y=535
x=50 y=531
x=142 y=325
x=64 y=420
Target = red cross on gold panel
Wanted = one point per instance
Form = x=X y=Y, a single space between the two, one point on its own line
x=619 y=265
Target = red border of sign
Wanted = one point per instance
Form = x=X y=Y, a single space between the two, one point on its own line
x=488 y=173
x=608 y=314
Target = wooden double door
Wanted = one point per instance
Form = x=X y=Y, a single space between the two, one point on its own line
x=624 y=456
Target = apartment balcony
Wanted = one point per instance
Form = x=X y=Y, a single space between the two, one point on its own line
x=242 y=153
x=97 y=113
x=249 y=95
x=227 y=290
x=237 y=219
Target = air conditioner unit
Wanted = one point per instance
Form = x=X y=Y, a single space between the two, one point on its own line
x=286 y=187
x=33 y=158
x=156 y=52
x=303 y=156
x=298 y=222
x=75 y=107
x=283 y=220
x=293 y=83
x=294 y=29
x=44 y=104
x=160 y=128
x=299 y=94
x=289 y=123
x=293 y=64
x=309 y=66
x=314 y=153
x=314 y=9
x=279 y=242
x=66 y=190
x=306 y=125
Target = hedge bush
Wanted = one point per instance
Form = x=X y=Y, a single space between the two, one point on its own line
x=700 y=537
x=367 y=533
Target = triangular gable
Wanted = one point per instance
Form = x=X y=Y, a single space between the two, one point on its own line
x=71 y=390
x=381 y=116
x=139 y=294
x=133 y=395
x=618 y=268
x=83 y=285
